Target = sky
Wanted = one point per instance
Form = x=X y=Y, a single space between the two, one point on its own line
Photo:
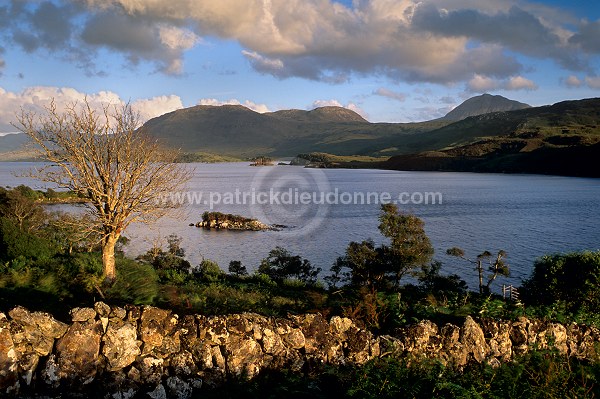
x=388 y=60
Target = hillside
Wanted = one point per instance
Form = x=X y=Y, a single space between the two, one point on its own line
x=238 y=131
x=560 y=139
x=483 y=104
x=13 y=148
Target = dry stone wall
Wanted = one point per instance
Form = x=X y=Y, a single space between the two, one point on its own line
x=120 y=353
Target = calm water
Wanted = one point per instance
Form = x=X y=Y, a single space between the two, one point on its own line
x=526 y=215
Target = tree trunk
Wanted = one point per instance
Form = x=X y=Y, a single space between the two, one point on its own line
x=108 y=256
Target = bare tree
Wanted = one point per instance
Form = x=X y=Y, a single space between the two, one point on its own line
x=105 y=157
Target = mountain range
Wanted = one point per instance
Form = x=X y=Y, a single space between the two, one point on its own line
x=486 y=132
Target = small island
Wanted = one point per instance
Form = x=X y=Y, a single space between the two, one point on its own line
x=227 y=221
x=262 y=161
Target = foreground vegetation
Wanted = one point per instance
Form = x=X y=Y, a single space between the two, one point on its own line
x=47 y=262
x=540 y=374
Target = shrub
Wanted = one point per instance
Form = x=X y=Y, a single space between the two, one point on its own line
x=280 y=264
x=571 y=278
x=15 y=242
x=209 y=271
x=237 y=269
x=136 y=283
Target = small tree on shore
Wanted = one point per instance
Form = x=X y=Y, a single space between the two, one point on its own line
x=409 y=247
x=495 y=265
x=107 y=159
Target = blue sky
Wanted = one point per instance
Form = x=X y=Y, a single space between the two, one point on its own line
x=390 y=60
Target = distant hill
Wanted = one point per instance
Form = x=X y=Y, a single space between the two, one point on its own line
x=483 y=104
x=238 y=131
x=12 y=147
x=320 y=115
x=562 y=138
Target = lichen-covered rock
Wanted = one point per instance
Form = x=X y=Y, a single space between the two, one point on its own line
x=9 y=381
x=244 y=356
x=151 y=352
x=154 y=327
x=83 y=314
x=473 y=339
x=177 y=388
x=102 y=309
x=120 y=345
x=77 y=352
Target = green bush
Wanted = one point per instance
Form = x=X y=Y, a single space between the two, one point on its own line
x=209 y=270
x=15 y=242
x=136 y=283
x=568 y=280
x=280 y=264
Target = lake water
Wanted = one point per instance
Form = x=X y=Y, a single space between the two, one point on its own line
x=525 y=215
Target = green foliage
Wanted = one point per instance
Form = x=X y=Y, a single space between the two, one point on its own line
x=20 y=206
x=170 y=260
x=280 y=264
x=534 y=375
x=15 y=242
x=568 y=281
x=369 y=265
x=136 y=283
x=209 y=270
x=237 y=269
x=366 y=265
x=410 y=246
x=538 y=375
x=446 y=290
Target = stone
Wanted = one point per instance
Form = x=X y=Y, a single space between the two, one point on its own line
x=154 y=327
x=183 y=364
x=77 y=352
x=214 y=329
x=151 y=370
x=120 y=345
x=83 y=314
x=43 y=322
x=158 y=393
x=118 y=313
x=9 y=381
x=177 y=388
x=272 y=342
x=473 y=339
x=244 y=357
x=102 y=309
x=136 y=352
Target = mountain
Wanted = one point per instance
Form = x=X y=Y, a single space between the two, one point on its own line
x=12 y=147
x=563 y=138
x=238 y=131
x=320 y=115
x=483 y=104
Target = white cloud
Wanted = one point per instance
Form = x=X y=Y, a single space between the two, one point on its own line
x=573 y=81
x=593 y=82
x=265 y=65
x=260 y=108
x=382 y=91
x=177 y=38
x=36 y=98
x=326 y=103
x=520 y=83
x=441 y=41
x=482 y=84
x=156 y=106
